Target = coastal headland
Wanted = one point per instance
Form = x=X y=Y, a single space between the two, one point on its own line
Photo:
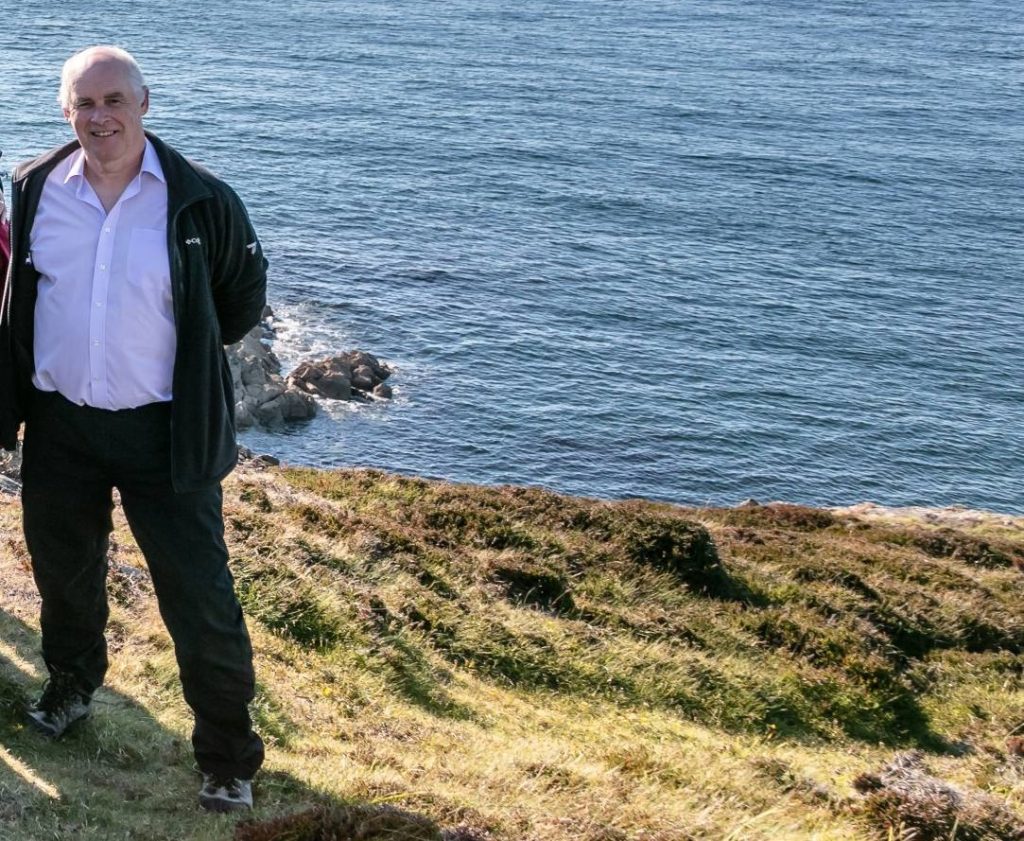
x=459 y=663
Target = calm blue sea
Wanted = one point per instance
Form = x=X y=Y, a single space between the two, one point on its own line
x=692 y=251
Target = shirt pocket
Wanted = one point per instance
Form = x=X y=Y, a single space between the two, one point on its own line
x=147 y=269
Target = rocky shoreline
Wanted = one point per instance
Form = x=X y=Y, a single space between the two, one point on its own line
x=944 y=517
x=950 y=516
x=265 y=397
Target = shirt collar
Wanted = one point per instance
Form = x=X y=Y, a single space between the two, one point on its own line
x=150 y=164
x=76 y=165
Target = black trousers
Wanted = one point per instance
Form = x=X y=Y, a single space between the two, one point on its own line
x=73 y=458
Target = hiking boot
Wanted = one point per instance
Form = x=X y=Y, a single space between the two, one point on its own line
x=61 y=705
x=225 y=794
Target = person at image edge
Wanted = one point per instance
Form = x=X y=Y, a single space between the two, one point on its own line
x=131 y=268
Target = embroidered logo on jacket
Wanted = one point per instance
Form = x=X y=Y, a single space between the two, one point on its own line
x=193 y=241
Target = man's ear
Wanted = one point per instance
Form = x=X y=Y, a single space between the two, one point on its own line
x=145 y=100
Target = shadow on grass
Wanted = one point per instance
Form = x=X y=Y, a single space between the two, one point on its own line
x=899 y=722
x=119 y=774
x=409 y=670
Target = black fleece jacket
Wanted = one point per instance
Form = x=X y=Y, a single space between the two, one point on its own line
x=218 y=284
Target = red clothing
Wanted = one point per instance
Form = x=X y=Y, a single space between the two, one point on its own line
x=5 y=242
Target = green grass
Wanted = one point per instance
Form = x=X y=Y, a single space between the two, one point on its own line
x=512 y=663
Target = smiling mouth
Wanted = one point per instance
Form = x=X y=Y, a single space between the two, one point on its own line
x=102 y=134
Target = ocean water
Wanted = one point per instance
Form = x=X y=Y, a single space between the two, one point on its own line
x=690 y=251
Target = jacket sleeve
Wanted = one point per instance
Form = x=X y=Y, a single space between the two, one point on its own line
x=238 y=272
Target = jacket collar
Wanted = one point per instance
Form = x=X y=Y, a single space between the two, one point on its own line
x=185 y=183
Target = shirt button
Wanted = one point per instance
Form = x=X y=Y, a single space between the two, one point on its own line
x=102 y=266
x=99 y=304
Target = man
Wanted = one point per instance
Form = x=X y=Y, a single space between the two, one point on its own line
x=131 y=269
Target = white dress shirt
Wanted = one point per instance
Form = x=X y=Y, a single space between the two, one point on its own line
x=104 y=317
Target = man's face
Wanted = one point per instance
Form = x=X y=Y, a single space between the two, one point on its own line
x=105 y=109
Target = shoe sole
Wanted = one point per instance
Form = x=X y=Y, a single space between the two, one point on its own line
x=220 y=806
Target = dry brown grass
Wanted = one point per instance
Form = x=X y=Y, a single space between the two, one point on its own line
x=511 y=664
x=906 y=801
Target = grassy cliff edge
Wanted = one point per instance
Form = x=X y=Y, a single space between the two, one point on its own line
x=467 y=663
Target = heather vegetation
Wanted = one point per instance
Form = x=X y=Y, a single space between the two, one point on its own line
x=453 y=662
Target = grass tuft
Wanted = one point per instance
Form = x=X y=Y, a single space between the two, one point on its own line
x=904 y=800
x=341 y=823
x=682 y=548
x=949 y=543
x=532 y=582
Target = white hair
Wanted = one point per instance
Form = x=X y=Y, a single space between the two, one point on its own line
x=74 y=64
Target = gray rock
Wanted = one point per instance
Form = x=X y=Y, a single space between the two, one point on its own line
x=243 y=415
x=9 y=486
x=352 y=375
x=10 y=470
x=256 y=460
x=261 y=394
x=264 y=397
x=336 y=386
x=362 y=378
